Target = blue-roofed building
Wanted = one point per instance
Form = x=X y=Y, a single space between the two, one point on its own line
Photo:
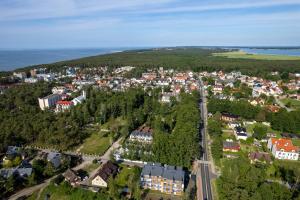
x=166 y=179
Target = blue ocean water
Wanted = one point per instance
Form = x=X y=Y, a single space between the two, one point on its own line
x=288 y=52
x=13 y=59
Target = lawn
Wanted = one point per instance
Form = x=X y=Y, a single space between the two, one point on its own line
x=245 y=55
x=126 y=173
x=91 y=167
x=296 y=142
x=293 y=103
x=270 y=130
x=66 y=192
x=96 y=144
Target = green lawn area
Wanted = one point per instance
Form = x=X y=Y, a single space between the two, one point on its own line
x=127 y=175
x=96 y=144
x=245 y=55
x=296 y=142
x=67 y=192
x=270 y=130
x=156 y=195
x=294 y=103
x=91 y=167
x=123 y=177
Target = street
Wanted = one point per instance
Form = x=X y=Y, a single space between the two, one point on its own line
x=204 y=170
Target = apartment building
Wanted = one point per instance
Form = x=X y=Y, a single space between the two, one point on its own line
x=49 y=101
x=166 y=179
x=283 y=149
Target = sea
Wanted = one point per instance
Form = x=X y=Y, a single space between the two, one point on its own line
x=273 y=51
x=13 y=59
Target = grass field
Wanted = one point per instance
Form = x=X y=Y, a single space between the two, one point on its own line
x=293 y=103
x=96 y=144
x=123 y=177
x=244 y=55
x=91 y=167
x=67 y=192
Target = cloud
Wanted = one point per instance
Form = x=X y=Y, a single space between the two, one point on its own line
x=44 y=9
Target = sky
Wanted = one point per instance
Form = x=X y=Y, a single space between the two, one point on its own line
x=42 y=24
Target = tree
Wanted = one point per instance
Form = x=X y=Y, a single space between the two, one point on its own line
x=260 y=131
x=113 y=189
x=49 y=170
x=31 y=180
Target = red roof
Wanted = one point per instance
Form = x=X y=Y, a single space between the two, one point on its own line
x=284 y=144
x=65 y=103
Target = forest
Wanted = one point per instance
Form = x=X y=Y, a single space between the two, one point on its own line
x=180 y=58
x=175 y=125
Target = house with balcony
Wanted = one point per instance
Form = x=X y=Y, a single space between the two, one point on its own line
x=166 y=179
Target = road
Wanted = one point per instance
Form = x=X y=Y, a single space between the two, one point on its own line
x=204 y=170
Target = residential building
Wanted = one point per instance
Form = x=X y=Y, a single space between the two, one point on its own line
x=142 y=134
x=240 y=133
x=231 y=146
x=259 y=157
x=54 y=158
x=20 y=75
x=62 y=106
x=102 y=176
x=19 y=171
x=49 y=101
x=72 y=177
x=79 y=99
x=283 y=149
x=166 y=179
x=228 y=117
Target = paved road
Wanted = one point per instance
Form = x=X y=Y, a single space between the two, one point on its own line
x=204 y=171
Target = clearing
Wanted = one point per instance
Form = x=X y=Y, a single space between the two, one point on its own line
x=245 y=55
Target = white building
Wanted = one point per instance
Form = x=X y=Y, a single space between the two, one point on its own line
x=79 y=99
x=49 y=101
x=283 y=149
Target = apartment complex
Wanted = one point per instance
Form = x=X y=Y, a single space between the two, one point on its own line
x=49 y=101
x=283 y=149
x=166 y=179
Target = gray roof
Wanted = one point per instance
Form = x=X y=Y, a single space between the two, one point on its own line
x=54 y=158
x=24 y=172
x=168 y=172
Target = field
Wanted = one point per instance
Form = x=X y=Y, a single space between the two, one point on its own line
x=292 y=103
x=244 y=55
x=124 y=176
x=91 y=167
x=96 y=144
x=67 y=192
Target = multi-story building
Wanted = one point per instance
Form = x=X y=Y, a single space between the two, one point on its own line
x=62 y=106
x=283 y=149
x=49 y=101
x=142 y=134
x=166 y=179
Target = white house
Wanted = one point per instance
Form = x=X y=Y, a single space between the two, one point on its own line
x=283 y=149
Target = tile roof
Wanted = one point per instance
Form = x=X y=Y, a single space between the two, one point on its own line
x=168 y=172
x=284 y=144
x=107 y=170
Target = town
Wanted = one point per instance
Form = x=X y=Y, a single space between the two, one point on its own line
x=247 y=121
